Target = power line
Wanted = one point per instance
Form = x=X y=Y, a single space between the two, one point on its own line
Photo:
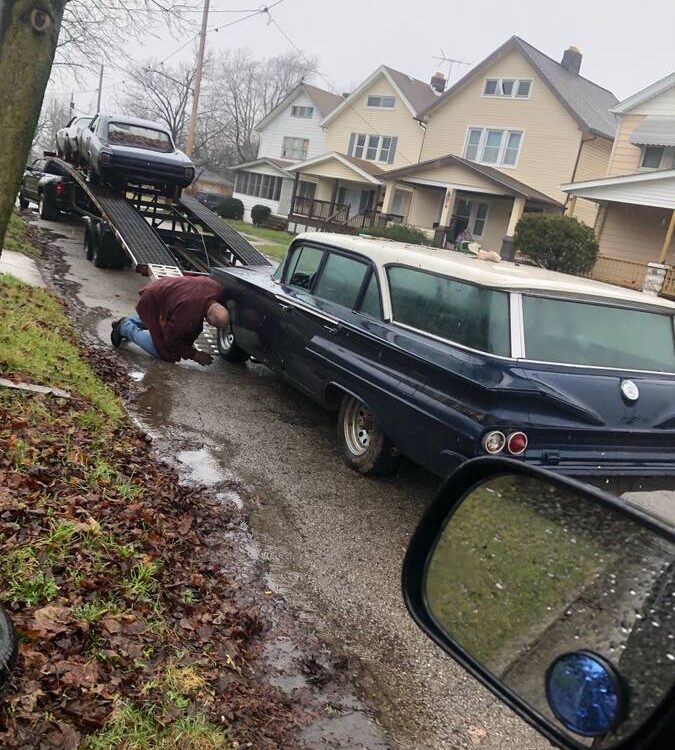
x=334 y=90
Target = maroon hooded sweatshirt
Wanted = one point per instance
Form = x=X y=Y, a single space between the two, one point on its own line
x=173 y=309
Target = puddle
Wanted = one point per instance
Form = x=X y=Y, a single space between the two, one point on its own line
x=203 y=467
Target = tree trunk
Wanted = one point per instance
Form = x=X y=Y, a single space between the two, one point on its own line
x=29 y=30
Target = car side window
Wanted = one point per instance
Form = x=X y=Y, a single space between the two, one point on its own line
x=370 y=304
x=341 y=280
x=467 y=314
x=304 y=265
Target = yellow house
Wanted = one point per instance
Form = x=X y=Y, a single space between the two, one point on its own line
x=373 y=130
x=635 y=224
x=500 y=142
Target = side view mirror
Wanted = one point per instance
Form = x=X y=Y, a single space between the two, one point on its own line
x=556 y=596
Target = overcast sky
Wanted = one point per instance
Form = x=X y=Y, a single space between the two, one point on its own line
x=625 y=45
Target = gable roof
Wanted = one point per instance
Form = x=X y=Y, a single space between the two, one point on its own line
x=281 y=164
x=588 y=103
x=513 y=186
x=415 y=94
x=325 y=101
x=644 y=95
x=364 y=168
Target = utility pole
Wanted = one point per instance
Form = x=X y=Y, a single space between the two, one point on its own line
x=100 y=89
x=192 y=127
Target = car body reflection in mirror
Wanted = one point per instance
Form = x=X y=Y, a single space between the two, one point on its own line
x=513 y=570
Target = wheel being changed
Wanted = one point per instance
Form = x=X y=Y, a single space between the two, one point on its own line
x=8 y=647
x=227 y=346
x=363 y=445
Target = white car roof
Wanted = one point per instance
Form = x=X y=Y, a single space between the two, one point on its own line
x=501 y=275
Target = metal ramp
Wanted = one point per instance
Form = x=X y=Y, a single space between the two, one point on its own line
x=240 y=248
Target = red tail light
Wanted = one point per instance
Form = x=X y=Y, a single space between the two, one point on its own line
x=516 y=443
x=60 y=188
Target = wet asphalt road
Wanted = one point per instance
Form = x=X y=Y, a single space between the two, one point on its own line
x=332 y=539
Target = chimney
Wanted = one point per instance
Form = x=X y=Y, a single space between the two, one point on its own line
x=438 y=82
x=571 y=60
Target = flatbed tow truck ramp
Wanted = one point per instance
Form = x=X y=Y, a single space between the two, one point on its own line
x=156 y=235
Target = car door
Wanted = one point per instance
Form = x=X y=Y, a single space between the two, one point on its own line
x=324 y=286
x=32 y=178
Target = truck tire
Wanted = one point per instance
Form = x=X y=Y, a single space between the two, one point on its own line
x=46 y=208
x=23 y=201
x=227 y=346
x=89 y=241
x=8 y=647
x=363 y=445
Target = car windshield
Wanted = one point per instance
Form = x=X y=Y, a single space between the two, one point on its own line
x=124 y=134
x=584 y=333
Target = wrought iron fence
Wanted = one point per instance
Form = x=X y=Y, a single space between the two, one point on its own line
x=626 y=273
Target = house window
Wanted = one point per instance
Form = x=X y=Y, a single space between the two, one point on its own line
x=305 y=112
x=380 y=148
x=306 y=189
x=652 y=157
x=259 y=185
x=492 y=146
x=470 y=215
x=295 y=148
x=382 y=102
x=515 y=88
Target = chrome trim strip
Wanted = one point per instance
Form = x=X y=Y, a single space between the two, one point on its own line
x=517 y=329
x=451 y=343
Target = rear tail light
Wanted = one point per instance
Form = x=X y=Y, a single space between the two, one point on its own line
x=60 y=188
x=189 y=172
x=516 y=443
x=494 y=442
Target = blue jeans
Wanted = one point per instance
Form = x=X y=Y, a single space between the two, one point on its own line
x=133 y=329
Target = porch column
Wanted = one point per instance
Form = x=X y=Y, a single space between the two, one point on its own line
x=571 y=206
x=294 y=193
x=668 y=239
x=333 y=197
x=378 y=195
x=517 y=211
x=600 y=221
x=389 y=192
x=448 y=207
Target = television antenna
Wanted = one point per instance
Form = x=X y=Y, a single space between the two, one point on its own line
x=450 y=62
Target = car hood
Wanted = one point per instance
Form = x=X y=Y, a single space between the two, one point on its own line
x=175 y=158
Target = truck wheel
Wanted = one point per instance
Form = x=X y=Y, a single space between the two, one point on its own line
x=363 y=445
x=88 y=241
x=23 y=202
x=46 y=209
x=228 y=348
x=8 y=647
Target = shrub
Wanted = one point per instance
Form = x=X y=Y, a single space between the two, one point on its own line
x=260 y=214
x=400 y=233
x=558 y=243
x=231 y=208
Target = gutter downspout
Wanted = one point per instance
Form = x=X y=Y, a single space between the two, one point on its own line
x=576 y=164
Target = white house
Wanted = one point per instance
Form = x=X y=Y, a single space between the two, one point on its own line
x=289 y=134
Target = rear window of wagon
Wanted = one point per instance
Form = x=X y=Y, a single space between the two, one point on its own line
x=466 y=314
x=598 y=335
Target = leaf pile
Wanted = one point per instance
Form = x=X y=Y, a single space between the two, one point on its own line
x=125 y=591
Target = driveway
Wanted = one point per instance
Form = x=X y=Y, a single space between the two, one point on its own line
x=333 y=541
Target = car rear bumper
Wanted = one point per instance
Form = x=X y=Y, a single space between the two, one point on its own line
x=155 y=174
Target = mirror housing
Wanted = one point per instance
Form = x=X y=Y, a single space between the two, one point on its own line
x=656 y=726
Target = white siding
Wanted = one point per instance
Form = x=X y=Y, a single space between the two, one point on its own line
x=280 y=207
x=662 y=105
x=283 y=125
x=657 y=193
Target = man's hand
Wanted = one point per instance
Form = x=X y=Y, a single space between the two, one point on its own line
x=201 y=358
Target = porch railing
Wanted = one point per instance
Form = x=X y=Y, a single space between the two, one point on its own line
x=668 y=288
x=371 y=218
x=315 y=209
x=626 y=273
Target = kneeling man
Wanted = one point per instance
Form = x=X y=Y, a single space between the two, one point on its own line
x=170 y=318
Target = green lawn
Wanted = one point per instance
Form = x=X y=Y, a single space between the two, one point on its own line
x=275 y=242
x=17 y=237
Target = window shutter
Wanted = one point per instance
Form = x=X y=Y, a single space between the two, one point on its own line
x=350 y=149
x=392 y=150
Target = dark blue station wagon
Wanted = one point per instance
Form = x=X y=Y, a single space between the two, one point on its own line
x=442 y=357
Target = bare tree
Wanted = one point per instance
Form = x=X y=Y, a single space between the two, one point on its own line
x=161 y=94
x=240 y=90
x=55 y=114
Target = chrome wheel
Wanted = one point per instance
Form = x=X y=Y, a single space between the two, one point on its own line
x=358 y=426
x=225 y=338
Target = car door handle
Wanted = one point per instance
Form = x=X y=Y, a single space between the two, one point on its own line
x=285 y=307
x=332 y=329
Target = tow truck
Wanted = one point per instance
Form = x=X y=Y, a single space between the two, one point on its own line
x=156 y=235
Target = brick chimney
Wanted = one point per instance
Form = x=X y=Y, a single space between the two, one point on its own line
x=438 y=82
x=571 y=60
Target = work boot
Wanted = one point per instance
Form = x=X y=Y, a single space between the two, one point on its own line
x=116 y=337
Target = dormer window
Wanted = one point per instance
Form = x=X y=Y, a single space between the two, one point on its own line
x=652 y=156
x=304 y=112
x=513 y=88
x=381 y=102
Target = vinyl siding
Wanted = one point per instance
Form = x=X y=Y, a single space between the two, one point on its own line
x=551 y=137
x=272 y=136
x=358 y=118
x=280 y=207
x=457 y=175
x=593 y=163
x=635 y=233
x=333 y=168
x=662 y=105
x=425 y=206
x=625 y=156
